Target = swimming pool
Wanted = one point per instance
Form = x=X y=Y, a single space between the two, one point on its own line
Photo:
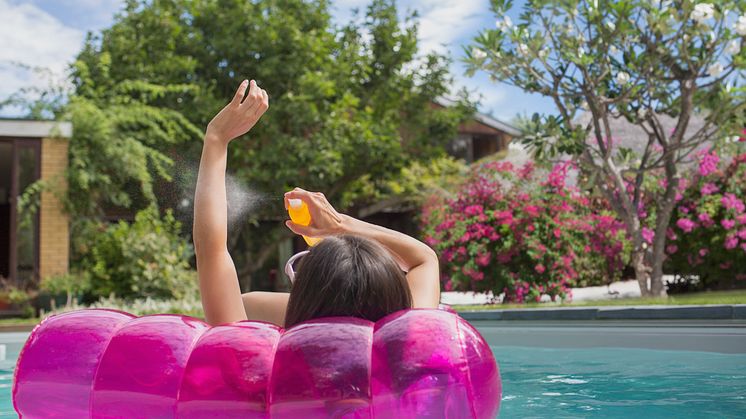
x=579 y=370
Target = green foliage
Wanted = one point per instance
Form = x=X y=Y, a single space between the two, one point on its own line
x=145 y=258
x=72 y=285
x=118 y=150
x=342 y=106
x=413 y=184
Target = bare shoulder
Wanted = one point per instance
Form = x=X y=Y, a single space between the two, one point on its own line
x=266 y=306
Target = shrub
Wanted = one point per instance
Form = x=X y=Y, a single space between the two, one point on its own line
x=191 y=305
x=15 y=298
x=510 y=230
x=72 y=285
x=146 y=258
x=707 y=237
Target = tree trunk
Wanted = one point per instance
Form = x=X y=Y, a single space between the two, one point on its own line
x=665 y=210
x=642 y=271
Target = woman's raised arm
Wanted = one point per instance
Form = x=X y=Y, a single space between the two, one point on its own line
x=218 y=280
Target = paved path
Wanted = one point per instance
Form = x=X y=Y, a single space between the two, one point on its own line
x=622 y=289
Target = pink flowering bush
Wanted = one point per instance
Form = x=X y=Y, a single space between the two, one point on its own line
x=524 y=233
x=707 y=237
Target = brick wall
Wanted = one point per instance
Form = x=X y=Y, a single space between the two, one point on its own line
x=54 y=236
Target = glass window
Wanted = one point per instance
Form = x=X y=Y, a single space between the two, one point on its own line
x=27 y=224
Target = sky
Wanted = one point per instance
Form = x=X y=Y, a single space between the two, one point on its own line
x=49 y=33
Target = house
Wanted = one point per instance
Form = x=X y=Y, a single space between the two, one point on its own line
x=480 y=136
x=35 y=247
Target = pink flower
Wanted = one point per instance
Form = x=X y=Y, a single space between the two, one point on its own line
x=472 y=210
x=708 y=163
x=540 y=268
x=741 y=219
x=557 y=233
x=557 y=176
x=648 y=235
x=504 y=217
x=726 y=265
x=728 y=224
x=703 y=252
x=483 y=259
x=731 y=242
x=683 y=184
x=671 y=249
x=526 y=170
x=742 y=234
x=705 y=219
x=709 y=188
x=448 y=286
x=504 y=257
x=730 y=201
x=532 y=210
x=685 y=224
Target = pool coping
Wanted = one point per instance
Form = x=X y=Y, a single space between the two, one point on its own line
x=649 y=312
x=17 y=328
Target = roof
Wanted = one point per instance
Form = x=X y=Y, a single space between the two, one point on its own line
x=35 y=129
x=632 y=136
x=484 y=118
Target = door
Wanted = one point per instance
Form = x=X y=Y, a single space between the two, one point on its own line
x=20 y=167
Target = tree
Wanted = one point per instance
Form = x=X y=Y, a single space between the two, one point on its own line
x=346 y=102
x=634 y=60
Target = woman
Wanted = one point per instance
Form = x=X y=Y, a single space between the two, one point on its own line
x=358 y=269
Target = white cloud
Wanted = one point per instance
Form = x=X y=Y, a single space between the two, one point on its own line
x=444 y=22
x=33 y=37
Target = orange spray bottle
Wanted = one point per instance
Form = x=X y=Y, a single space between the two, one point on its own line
x=299 y=213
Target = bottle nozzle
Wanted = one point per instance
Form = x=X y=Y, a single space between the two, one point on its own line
x=295 y=203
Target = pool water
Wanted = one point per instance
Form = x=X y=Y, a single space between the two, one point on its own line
x=620 y=383
x=571 y=383
x=13 y=343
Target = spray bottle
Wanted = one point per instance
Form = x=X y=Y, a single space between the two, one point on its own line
x=300 y=215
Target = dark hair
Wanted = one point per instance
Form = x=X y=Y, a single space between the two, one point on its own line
x=347 y=276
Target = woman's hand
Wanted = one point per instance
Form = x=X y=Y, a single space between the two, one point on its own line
x=325 y=220
x=237 y=117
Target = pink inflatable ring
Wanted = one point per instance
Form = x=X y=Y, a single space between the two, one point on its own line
x=110 y=364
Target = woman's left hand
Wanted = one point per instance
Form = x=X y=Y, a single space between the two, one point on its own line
x=238 y=117
x=325 y=220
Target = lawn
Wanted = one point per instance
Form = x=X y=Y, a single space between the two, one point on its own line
x=698 y=298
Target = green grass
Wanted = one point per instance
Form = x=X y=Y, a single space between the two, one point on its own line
x=699 y=298
x=17 y=321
